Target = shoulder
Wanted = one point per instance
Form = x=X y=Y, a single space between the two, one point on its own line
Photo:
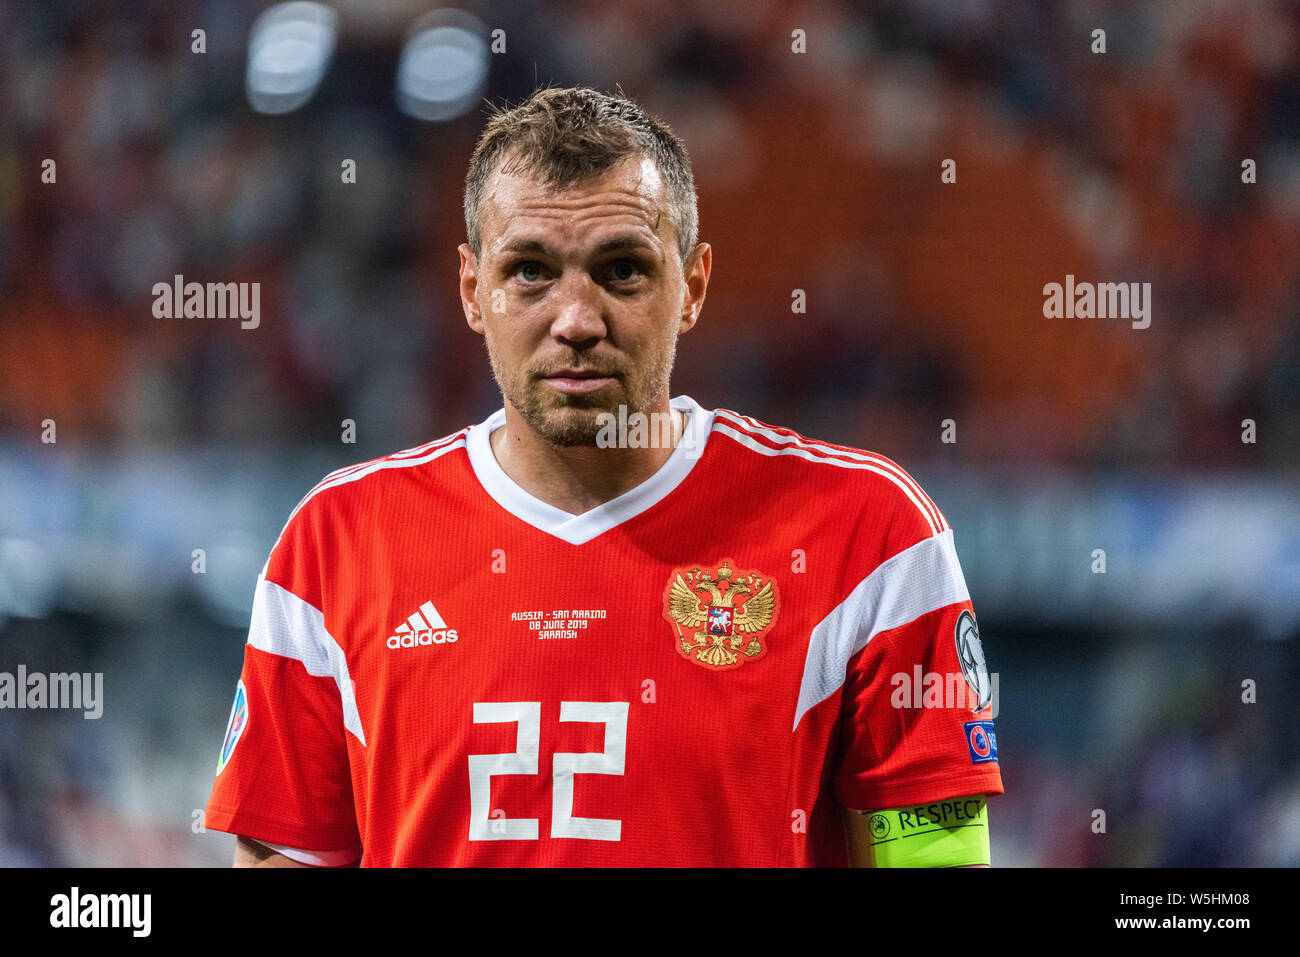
x=853 y=479
x=362 y=481
x=331 y=524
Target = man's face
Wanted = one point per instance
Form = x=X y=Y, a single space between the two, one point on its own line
x=580 y=295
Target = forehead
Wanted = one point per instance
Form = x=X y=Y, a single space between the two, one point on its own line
x=630 y=196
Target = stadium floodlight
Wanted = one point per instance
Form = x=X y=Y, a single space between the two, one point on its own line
x=444 y=65
x=289 y=50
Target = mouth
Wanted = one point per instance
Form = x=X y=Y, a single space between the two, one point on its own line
x=578 y=381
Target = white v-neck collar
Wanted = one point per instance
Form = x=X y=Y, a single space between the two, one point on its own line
x=577 y=529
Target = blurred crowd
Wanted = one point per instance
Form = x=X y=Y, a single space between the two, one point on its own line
x=817 y=171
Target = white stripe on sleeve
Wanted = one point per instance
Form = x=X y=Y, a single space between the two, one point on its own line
x=917 y=580
x=283 y=624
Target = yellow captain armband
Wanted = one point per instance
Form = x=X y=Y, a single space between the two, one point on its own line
x=949 y=833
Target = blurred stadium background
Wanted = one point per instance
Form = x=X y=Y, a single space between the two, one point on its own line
x=816 y=171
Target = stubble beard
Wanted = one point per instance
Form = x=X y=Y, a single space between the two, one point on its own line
x=572 y=420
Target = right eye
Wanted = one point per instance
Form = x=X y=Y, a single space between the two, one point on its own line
x=529 y=271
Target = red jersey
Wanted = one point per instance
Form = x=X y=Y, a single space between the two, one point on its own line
x=444 y=670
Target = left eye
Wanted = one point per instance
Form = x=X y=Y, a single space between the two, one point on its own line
x=624 y=270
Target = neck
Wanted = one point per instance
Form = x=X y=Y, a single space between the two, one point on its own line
x=577 y=478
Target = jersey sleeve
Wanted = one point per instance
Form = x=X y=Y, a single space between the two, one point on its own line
x=283 y=772
x=314 y=858
x=918 y=703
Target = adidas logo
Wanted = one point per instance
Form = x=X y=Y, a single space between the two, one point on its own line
x=425 y=627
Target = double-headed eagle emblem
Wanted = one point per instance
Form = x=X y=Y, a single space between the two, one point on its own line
x=713 y=615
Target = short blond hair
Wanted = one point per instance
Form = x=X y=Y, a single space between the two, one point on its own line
x=566 y=136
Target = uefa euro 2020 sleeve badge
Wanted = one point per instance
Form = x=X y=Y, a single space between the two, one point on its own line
x=970 y=654
x=720 y=622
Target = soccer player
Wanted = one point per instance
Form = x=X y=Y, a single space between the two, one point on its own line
x=607 y=627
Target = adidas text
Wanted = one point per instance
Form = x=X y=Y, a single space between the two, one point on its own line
x=426 y=637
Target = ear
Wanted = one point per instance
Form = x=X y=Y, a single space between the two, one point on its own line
x=695 y=273
x=469 y=288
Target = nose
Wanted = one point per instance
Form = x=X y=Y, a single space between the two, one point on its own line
x=579 y=317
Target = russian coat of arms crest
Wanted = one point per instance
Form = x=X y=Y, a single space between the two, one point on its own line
x=721 y=618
